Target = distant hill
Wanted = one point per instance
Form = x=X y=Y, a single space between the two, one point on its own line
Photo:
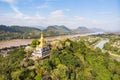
x=26 y=32
x=7 y=29
x=18 y=32
x=56 y=30
x=24 y=29
x=40 y=27
x=97 y=30
x=82 y=29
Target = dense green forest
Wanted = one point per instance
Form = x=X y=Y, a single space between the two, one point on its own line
x=69 y=60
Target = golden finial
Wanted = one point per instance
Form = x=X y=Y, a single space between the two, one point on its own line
x=41 y=41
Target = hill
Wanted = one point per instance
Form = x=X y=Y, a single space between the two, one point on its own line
x=26 y=32
x=24 y=29
x=97 y=30
x=82 y=29
x=18 y=32
x=69 y=60
x=6 y=28
x=56 y=30
x=40 y=27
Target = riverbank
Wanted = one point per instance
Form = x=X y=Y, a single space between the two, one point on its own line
x=19 y=42
x=15 y=42
x=101 y=45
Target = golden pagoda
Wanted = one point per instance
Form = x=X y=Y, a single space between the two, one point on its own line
x=41 y=50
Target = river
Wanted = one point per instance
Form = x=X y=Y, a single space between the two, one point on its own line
x=18 y=42
x=101 y=44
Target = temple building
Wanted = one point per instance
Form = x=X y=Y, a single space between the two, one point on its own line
x=42 y=50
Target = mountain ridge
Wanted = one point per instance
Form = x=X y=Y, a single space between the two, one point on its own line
x=26 y=32
x=82 y=29
x=56 y=30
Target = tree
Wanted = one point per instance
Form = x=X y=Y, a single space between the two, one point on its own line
x=60 y=73
x=35 y=43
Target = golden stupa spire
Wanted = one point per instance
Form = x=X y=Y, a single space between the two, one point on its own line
x=41 y=41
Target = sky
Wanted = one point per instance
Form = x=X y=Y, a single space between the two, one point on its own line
x=104 y=14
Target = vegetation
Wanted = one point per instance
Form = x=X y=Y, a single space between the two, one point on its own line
x=57 y=30
x=82 y=29
x=18 y=32
x=69 y=60
x=113 y=45
x=35 y=43
x=23 y=32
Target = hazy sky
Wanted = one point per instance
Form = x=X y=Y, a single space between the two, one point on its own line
x=72 y=13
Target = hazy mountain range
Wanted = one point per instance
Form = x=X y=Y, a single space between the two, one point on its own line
x=14 y=32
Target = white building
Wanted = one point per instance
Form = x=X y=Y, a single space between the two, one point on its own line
x=41 y=50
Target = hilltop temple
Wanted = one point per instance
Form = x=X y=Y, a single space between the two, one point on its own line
x=41 y=50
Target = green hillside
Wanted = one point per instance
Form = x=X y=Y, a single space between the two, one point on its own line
x=69 y=60
x=24 y=29
x=56 y=30
x=26 y=32
x=82 y=29
x=18 y=32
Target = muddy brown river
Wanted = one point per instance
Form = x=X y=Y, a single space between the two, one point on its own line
x=18 y=42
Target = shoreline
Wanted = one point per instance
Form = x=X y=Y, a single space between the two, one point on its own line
x=19 y=42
